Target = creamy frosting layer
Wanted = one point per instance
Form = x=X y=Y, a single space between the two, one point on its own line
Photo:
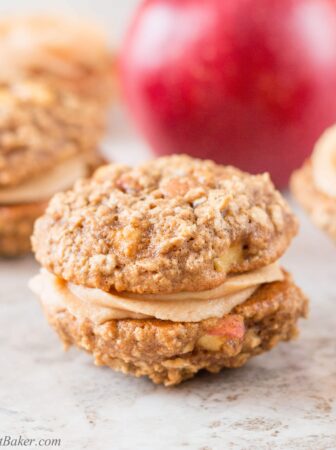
x=43 y=186
x=100 y=306
x=324 y=162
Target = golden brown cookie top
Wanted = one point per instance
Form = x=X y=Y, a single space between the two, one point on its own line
x=41 y=125
x=67 y=51
x=173 y=224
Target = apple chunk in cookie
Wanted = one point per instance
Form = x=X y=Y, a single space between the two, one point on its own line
x=168 y=268
x=314 y=184
x=48 y=139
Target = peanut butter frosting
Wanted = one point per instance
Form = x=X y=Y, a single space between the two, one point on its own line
x=320 y=206
x=99 y=306
x=43 y=186
x=324 y=162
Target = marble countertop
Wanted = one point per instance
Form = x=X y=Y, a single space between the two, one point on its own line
x=281 y=400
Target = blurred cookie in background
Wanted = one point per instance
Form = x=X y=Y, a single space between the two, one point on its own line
x=67 y=51
x=314 y=185
x=48 y=139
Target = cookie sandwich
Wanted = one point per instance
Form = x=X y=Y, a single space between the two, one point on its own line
x=168 y=268
x=48 y=138
x=66 y=51
x=314 y=185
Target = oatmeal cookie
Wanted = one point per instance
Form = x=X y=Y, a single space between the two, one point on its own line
x=314 y=185
x=67 y=52
x=319 y=206
x=173 y=224
x=48 y=138
x=16 y=227
x=40 y=126
x=168 y=268
x=169 y=352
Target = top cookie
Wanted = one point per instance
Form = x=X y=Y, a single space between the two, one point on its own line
x=67 y=51
x=41 y=125
x=173 y=224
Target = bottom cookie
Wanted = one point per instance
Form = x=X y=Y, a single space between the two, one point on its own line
x=16 y=227
x=170 y=352
x=17 y=220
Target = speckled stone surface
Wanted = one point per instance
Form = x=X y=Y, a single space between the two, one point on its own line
x=281 y=400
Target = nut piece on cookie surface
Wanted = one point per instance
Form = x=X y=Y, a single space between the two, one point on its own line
x=48 y=138
x=168 y=268
x=314 y=184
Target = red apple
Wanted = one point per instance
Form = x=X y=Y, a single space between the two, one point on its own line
x=246 y=82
